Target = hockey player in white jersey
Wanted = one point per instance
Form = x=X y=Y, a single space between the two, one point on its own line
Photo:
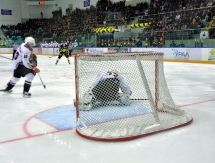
x=105 y=91
x=75 y=44
x=44 y=45
x=50 y=45
x=55 y=44
x=24 y=65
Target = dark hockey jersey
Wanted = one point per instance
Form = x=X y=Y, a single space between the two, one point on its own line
x=63 y=49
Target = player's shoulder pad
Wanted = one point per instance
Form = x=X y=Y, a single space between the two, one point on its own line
x=25 y=49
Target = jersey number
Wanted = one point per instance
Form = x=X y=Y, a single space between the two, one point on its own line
x=25 y=56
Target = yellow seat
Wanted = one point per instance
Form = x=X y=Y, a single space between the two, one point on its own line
x=137 y=25
x=141 y=25
x=132 y=25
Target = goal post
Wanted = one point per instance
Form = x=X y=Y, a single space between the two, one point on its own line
x=122 y=96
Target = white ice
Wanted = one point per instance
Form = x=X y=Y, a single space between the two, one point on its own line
x=26 y=139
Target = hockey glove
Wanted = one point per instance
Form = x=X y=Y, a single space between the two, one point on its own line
x=36 y=70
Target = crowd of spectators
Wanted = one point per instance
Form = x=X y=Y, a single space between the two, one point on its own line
x=174 y=16
x=38 y=28
x=75 y=22
x=3 y=43
x=179 y=15
x=167 y=14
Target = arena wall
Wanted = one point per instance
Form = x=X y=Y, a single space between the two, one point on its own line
x=80 y=4
x=15 y=7
x=22 y=9
x=193 y=55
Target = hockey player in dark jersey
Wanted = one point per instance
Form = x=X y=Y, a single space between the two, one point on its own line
x=118 y=44
x=128 y=43
x=133 y=43
x=114 y=43
x=124 y=43
x=109 y=43
x=146 y=43
x=102 y=44
x=160 y=43
x=63 y=51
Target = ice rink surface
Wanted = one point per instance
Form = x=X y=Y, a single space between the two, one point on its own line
x=41 y=129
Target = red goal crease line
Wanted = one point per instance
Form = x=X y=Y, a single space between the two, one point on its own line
x=32 y=136
x=201 y=102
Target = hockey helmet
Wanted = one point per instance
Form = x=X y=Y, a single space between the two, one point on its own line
x=30 y=40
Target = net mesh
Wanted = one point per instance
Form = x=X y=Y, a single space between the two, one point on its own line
x=123 y=95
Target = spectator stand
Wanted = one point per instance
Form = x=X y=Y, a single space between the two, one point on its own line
x=181 y=20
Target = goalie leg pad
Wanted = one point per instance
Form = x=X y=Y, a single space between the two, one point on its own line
x=88 y=96
x=124 y=98
x=85 y=107
x=86 y=102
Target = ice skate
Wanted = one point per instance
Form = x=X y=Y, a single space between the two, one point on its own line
x=6 y=90
x=26 y=94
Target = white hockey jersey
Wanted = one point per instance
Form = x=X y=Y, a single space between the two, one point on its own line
x=110 y=74
x=75 y=44
x=50 y=45
x=85 y=102
x=44 y=45
x=22 y=56
x=55 y=45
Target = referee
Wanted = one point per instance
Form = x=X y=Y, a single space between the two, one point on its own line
x=15 y=46
x=71 y=46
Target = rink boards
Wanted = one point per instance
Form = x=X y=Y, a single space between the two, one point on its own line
x=176 y=54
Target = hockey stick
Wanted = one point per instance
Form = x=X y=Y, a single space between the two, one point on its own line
x=5 y=57
x=139 y=99
x=52 y=56
x=42 y=81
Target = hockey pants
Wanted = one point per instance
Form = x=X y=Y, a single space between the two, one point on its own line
x=16 y=77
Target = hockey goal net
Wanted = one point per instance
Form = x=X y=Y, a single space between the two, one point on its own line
x=122 y=96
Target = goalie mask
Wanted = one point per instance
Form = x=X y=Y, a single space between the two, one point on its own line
x=112 y=74
x=30 y=40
